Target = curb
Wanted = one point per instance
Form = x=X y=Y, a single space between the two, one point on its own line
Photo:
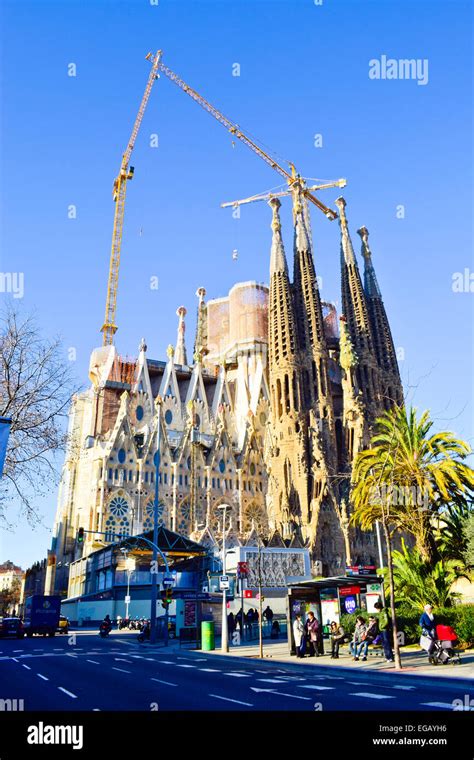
x=447 y=682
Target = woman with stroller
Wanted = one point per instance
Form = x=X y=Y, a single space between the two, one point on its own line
x=427 y=624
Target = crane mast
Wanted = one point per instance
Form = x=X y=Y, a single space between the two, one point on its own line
x=109 y=327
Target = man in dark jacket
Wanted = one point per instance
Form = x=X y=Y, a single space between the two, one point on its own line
x=385 y=627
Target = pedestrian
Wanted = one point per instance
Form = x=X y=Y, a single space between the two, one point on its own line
x=231 y=624
x=337 y=634
x=359 y=630
x=268 y=613
x=299 y=636
x=427 y=624
x=119 y=620
x=368 y=637
x=312 y=628
x=385 y=627
x=249 y=620
x=275 y=632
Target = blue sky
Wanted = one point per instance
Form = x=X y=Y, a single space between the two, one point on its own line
x=303 y=71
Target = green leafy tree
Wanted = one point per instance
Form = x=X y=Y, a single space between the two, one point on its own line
x=469 y=533
x=418 y=582
x=413 y=473
x=450 y=533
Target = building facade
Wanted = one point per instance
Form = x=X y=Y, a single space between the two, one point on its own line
x=266 y=417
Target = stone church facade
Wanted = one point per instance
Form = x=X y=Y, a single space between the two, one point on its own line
x=267 y=416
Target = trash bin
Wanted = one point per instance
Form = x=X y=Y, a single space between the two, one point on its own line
x=207 y=636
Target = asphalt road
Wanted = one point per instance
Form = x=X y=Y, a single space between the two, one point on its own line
x=117 y=673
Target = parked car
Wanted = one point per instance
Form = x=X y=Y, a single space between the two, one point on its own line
x=11 y=626
x=63 y=625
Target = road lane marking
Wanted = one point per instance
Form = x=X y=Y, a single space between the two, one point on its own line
x=122 y=670
x=18 y=650
x=14 y=659
x=120 y=659
x=279 y=693
x=369 y=695
x=405 y=688
x=228 y=699
x=167 y=683
x=25 y=666
x=446 y=705
x=69 y=693
x=270 y=680
x=94 y=662
x=167 y=662
x=185 y=666
x=318 y=688
x=209 y=670
x=43 y=677
x=237 y=675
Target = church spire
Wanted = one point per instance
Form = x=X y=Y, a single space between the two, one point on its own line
x=180 y=351
x=384 y=346
x=200 y=343
x=277 y=255
x=309 y=314
x=356 y=311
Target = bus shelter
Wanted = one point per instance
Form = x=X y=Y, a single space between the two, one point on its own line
x=330 y=598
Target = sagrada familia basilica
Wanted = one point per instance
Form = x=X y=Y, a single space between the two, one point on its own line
x=267 y=416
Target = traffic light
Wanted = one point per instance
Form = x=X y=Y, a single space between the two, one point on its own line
x=80 y=536
x=166 y=597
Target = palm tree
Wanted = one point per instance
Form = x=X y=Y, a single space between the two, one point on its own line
x=415 y=473
x=418 y=582
x=450 y=533
x=404 y=477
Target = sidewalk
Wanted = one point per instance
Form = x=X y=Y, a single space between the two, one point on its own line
x=414 y=660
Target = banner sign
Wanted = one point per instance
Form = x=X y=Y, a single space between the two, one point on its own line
x=5 y=423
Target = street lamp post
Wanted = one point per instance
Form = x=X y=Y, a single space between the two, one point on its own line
x=260 y=600
x=154 y=574
x=224 y=634
x=130 y=565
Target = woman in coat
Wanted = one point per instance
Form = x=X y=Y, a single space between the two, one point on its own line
x=299 y=636
x=312 y=627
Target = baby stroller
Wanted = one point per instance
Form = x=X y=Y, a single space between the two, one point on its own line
x=441 y=649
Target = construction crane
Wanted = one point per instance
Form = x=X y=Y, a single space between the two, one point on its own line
x=290 y=176
x=279 y=194
x=109 y=327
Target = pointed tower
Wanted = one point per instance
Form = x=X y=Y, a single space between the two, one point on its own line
x=384 y=346
x=290 y=491
x=309 y=318
x=359 y=326
x=180 y=351
x=324 y=515
x=200 y=343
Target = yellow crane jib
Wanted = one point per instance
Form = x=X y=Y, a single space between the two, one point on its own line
x=109 y=328
x=235 y=130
